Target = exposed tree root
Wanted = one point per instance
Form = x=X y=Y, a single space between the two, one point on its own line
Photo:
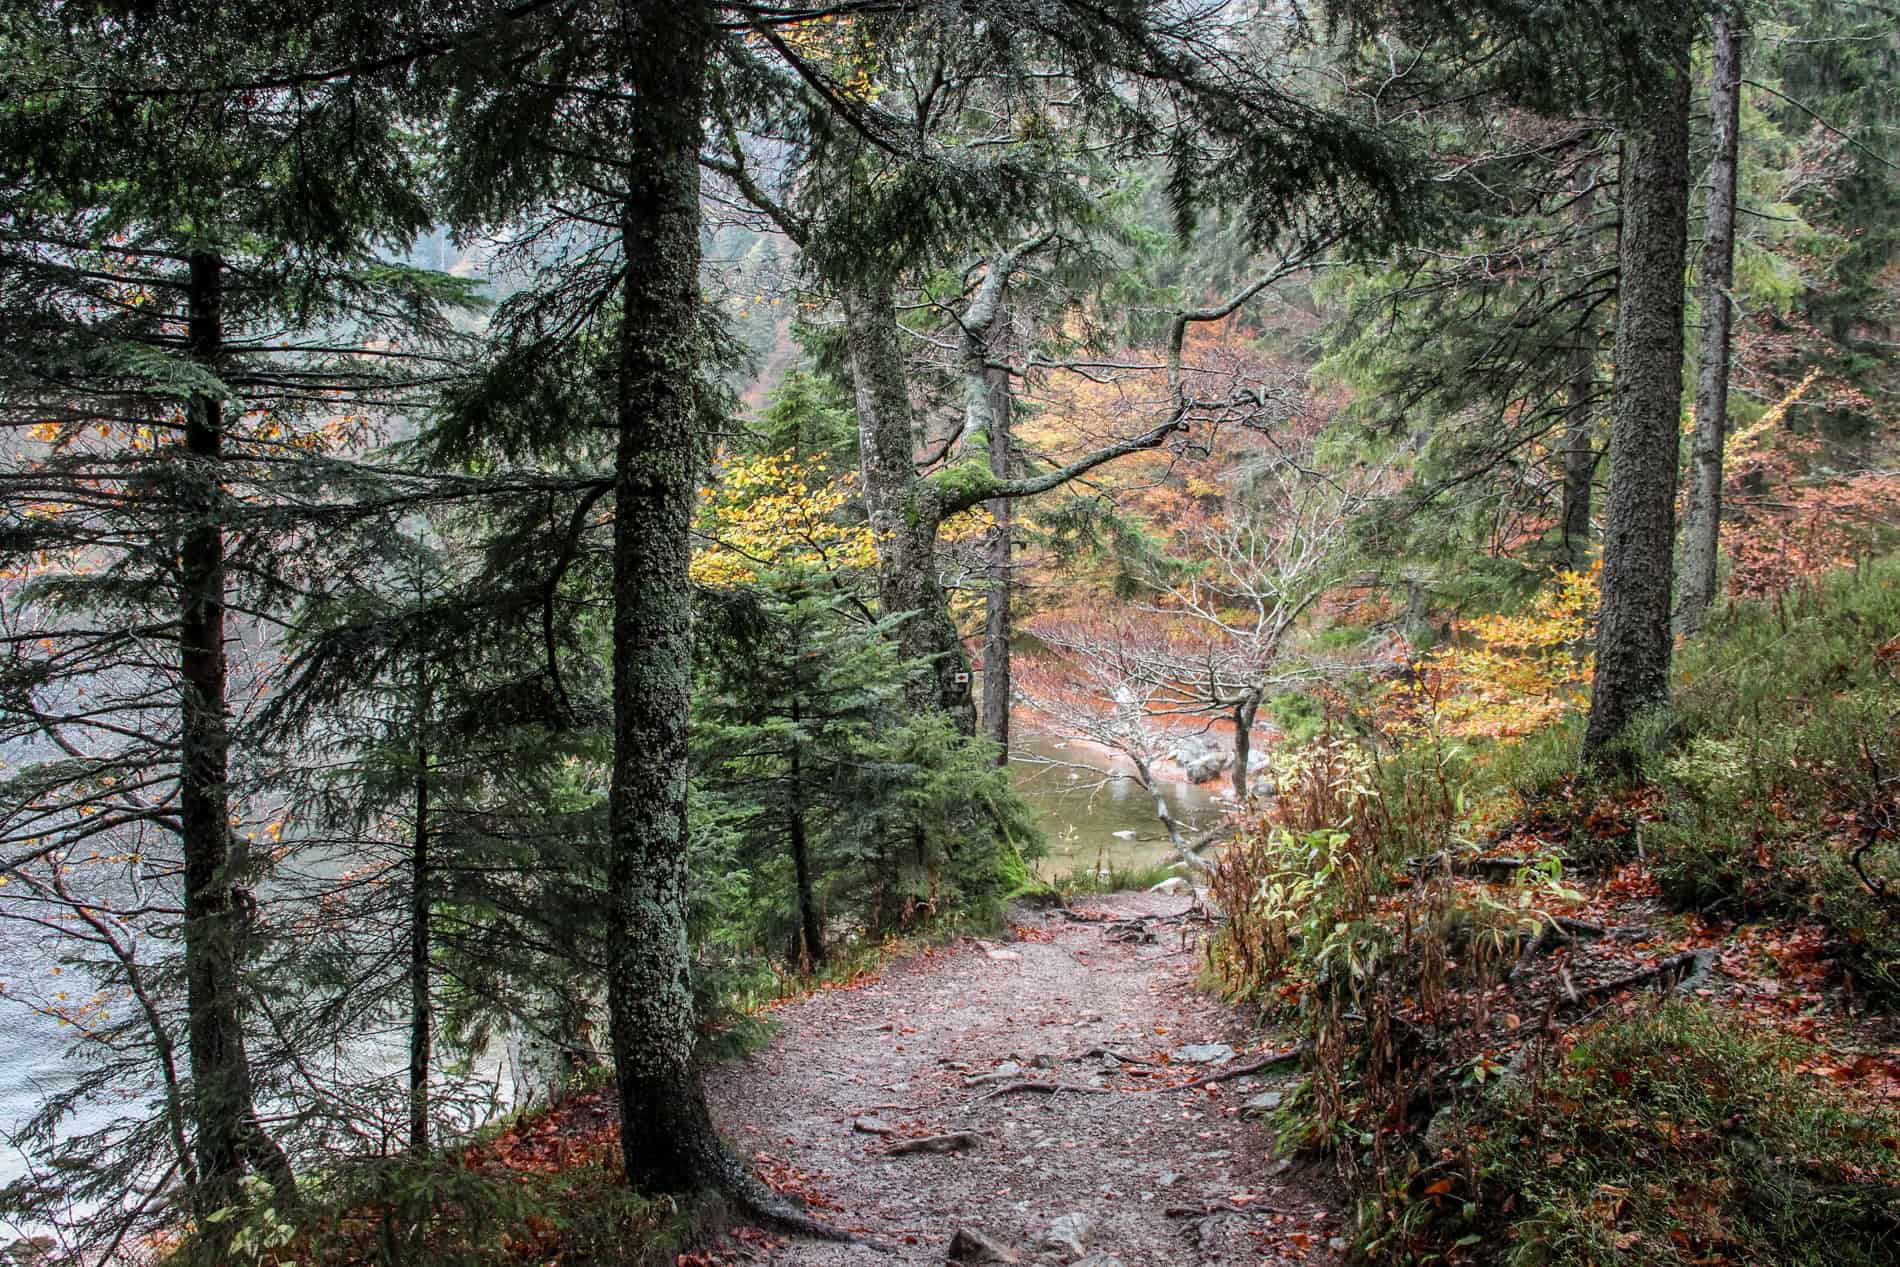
x=749 y=1195
x=1677 y=973
x=1458 y=864
x=1033 y=1087
x=1220 y=1207
x=949 y=1142
x=1287 y=1057
x=1559 y=930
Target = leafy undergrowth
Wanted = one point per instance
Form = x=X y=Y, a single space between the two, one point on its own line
x=546 y=1188
x=1670 y=1137
x=1475 y=938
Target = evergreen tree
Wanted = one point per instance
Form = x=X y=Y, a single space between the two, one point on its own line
x=190 y=271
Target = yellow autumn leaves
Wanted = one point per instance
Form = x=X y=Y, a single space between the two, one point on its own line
x=782 y=512
x=774 y=513
x=1510 y=674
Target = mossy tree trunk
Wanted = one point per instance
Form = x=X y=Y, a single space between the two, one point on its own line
x=998 y=623
x=1702 y=529
x=906 y=510
x=667 y=1136
x=1580 y=452
x=1633 y=637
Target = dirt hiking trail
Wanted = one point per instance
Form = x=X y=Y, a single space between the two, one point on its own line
x=885 y=1107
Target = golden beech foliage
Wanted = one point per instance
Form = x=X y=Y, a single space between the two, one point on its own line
x=1509 y=674
x=778 y=511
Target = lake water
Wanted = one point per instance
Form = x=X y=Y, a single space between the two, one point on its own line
x=1091 y=820
x=1097 y=817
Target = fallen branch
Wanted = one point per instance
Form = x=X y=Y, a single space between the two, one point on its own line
x=949 y=1142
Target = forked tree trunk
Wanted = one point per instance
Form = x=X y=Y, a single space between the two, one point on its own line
x=1633 y=639
x=667 y=1136
x=1702 y=526
x=1246 y=709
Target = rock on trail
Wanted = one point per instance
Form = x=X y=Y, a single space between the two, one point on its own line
x=897 y=1109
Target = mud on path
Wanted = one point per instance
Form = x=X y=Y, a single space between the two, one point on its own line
x=1165 y=1177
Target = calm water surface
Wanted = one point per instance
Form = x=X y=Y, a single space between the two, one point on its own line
x=1089 y=823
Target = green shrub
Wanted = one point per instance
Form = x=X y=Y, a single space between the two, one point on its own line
x=1672 y=1138
x=1784 y=716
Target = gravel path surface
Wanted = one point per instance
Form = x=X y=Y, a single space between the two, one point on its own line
x=1136 y=1179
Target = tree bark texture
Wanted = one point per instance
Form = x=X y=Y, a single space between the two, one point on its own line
x=222 y=1114
x=1702 y=527
x=811 y=929
x=421 y=1010
x=998 y=624
x=905 y=510
x=667 y=1136
x=1633 y=638
x=1580 y=454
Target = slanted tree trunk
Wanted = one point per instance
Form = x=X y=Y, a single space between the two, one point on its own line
x=1580 y=453
x=997 y=625
x=227 y=1133
x=1702 y=527
x=1633 y=639
x=422 y=882
x=667 y=1138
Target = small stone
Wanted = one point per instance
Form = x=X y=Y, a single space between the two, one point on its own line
x=1069 y=1233
x=1008 y=956
x=1173 y=884
x=1044 y=1061
x=1099 y=1260
x=1168 y=1179
x=1204 y=1054
x=1009 y=1068
x=1337 y=1243
x=1262 y=1104
x=871 y=1124
x=969 y=1247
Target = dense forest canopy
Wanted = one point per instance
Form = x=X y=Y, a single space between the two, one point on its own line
x=533 y=534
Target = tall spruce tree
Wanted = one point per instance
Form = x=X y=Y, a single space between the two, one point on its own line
x=188 y=273
x=1702 y=526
